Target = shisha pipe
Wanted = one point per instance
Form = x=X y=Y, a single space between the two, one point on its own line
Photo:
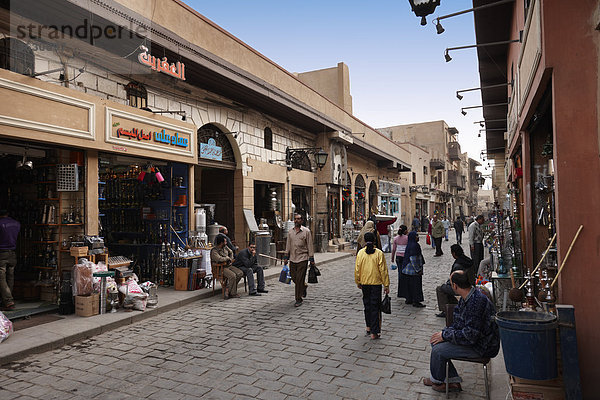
x=539 y=263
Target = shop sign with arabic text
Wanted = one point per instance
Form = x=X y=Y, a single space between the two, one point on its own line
x=126 y=129
x=176 y=70
x=211 y=151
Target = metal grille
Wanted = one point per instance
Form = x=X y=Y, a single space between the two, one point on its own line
x=16 y=56
x=211 y=131
x=67 y=178
x=301 y=161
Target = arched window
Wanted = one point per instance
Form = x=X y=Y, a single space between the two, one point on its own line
x=374 y=207
x=137 y=96
x=268 y=138
x=16 y=56
x=211 y=131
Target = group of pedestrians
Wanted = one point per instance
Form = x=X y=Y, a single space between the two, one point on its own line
x=473 y=332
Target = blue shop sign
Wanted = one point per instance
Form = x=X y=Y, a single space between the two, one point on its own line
x=211 y=151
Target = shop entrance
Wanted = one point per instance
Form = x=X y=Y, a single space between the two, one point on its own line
x=214 y=176
x=215 y=186
x=42 y=187
x=333 y=210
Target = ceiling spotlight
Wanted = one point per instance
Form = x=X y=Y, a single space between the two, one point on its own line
x=439 y=28
x=463 y=112
x=447 y=57
x=481 y=124
x=459 y=96
x=479 y=135
x=483 y=159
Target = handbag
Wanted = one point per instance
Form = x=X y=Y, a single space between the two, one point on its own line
x=428 y=240
x=414 y=266
x=312 y=275
x=317 y=272
x=386 y=305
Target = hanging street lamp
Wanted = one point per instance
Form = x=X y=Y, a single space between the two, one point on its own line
x=423 y=8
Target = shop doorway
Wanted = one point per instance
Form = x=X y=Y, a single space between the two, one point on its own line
x=214 y=176
x=333 y=211
x=302 y=199
x=215 y=186
x=373 y=198
x=268 y=205
x=359 y=197
x=42 y=187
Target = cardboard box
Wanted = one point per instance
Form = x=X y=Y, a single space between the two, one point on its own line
x=79 y=251
x=86 y=306
x=181 y=278
x=523 y=389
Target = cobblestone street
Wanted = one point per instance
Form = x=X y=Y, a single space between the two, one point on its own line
x=256 y=347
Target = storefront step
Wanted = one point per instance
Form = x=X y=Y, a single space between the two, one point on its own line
x=72 y=328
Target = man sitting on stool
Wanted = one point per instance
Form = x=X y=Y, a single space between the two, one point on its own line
x=223 y=254
x=246 y=262
x=445 y=294
x=473 y=334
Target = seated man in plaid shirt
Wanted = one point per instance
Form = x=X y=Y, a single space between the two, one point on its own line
x=473 y=334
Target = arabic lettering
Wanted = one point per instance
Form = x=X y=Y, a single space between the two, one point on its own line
x=176 y=70
x=174 y=140
x=134 y=133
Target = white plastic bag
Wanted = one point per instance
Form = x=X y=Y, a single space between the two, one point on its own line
x=6 y=327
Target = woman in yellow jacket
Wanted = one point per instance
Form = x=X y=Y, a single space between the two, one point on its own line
x=369 y=274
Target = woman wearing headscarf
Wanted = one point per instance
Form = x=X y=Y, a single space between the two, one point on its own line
x=412 y=267
x=398 y=249
x=361 y=242
x=370 y=273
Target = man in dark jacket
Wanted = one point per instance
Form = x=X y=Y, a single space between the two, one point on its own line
x=473 y=334
x=445 y=294
x=246 y=262
x=459 y=228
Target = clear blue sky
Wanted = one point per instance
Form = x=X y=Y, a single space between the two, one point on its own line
x=398 y=74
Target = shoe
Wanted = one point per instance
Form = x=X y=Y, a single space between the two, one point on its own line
x=304 y=292
x=262 y=291
x=441 y=314
x=375 y=336
x=408 y=302
x=234 y=296
x=367 y=333
x=452 y=387
x=254 y=294
x=297 y=304
x=419 y=305
x=427 y=382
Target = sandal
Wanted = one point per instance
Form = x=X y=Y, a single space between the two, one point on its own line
x=375 y=336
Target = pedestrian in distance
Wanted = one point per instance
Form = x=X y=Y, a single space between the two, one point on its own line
x=437 y=233
x=369 y=227
x=412 y=267
x=416 y=224
x=446 y=226
x=299 y=252
x=476 y=239
x=247 y=263
x=398 y=249
x=459 y=228
x=429 y=230
x=370 y=274
x=9 y=232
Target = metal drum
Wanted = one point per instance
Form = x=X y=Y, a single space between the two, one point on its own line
x=212 y=231
x=263 y=246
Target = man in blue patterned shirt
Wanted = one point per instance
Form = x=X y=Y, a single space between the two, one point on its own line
x=473 y=334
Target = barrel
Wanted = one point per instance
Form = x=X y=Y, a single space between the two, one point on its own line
x=263 y=240
x=528 y=344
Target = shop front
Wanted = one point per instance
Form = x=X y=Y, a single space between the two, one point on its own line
x=79 y=169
